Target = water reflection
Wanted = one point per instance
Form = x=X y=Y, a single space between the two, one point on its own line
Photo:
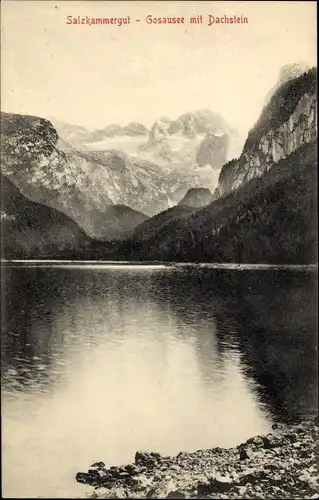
x=98 y=363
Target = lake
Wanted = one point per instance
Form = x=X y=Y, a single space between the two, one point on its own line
x=100 y=361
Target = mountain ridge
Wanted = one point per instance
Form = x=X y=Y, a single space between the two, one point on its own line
x=287 y=122
x=33 y=230
x=84 y=183
x=265 y=211
x=196 y=198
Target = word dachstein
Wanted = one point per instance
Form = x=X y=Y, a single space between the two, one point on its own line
x=227 y=20
x=98 y=20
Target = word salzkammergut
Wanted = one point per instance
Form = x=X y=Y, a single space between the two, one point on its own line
x=98 y=20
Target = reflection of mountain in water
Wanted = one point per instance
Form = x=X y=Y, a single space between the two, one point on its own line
x=262 y=323
x=101 y=362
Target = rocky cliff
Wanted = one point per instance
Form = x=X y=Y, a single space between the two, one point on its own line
x=157 y=146
x=200 y=138
x=185 y=150
x=271 y=219
x=286 y=123
x=199 y=122
x=266 y=206
x=32 y=230
x=213 y=150
x=84 y=184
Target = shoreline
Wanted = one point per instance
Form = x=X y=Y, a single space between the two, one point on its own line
x=282 y=464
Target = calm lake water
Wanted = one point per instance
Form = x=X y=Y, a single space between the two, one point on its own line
x=99 y=362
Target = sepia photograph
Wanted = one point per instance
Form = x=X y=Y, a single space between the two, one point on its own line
x=159 y=249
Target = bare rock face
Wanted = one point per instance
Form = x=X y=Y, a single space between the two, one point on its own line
x=288 y=122
x=91 y=187
x=213 y=150
x=200 y=138
x=267 y=215
x=199 y=122
x=26 y=137
x=88 y=187
x=157 y=143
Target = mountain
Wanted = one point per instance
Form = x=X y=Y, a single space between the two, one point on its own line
x=135 y=128
x=287 y=73
x=199 y=122
x=286 y=123
x=121 y=220
x=196 y=198
x=80 y=137
x=157 y=145
x=107 y=132
x=32 y=230
x=160 y=222
x=270 y=219
x=84 y=184
x=213 y=150
x=201 y=138
x=73 y=136
x=267 y=206
x=180 y=148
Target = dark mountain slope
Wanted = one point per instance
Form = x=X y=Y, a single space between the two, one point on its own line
x=282 y=105
x=123 y=220
x=196 y=198
x=271 y=219
x=161 y=222
x=32 y=230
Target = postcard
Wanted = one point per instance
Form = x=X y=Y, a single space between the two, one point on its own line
x=159 y=249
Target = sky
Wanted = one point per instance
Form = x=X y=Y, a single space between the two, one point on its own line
x=97 y=75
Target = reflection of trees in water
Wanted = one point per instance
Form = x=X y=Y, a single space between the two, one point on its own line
x=277 y=331
x=28 y=300
x=271 y=316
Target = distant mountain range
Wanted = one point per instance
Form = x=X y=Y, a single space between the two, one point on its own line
x=262 y=209
x=201 y=137
x=76 y=136
x=85 y=184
